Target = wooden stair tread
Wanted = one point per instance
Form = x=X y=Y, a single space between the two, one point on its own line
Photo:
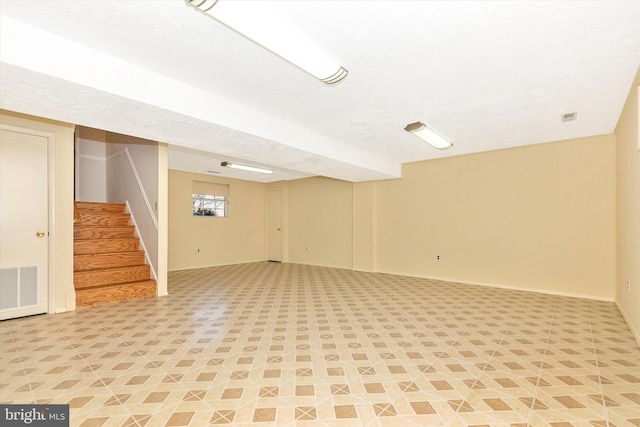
x=100 y=207
x=98 y=245
x=115 y=285
x=82 y=232
x=115 y=219
x=115 y=293
x=90 y=278
x=107 y=260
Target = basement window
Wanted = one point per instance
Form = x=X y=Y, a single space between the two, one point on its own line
x=210 y=199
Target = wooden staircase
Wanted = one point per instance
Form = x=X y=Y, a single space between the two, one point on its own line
x=108 y=264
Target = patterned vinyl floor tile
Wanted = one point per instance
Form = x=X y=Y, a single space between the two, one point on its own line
x=292 y=345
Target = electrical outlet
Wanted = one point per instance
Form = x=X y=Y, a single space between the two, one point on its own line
x=437 y=256
x=628 y=285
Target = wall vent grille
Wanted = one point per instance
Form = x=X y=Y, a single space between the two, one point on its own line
x=18 y=287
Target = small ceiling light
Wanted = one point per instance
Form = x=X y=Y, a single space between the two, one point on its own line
x=249 y=168
x=567 y=117
x=274 y=35
x=421 y=130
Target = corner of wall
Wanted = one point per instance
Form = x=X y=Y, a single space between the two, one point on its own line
x=627 y=226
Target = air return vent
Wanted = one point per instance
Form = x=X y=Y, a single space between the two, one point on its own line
x=18 y=287
x=567 y=117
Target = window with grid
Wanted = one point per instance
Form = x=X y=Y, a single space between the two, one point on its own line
x=210 y=199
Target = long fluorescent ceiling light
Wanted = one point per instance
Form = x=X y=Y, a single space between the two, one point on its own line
x=421 y=130
x=249 y=168
x=253 y=21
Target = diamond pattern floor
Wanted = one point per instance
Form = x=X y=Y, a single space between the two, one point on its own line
x=292 y=345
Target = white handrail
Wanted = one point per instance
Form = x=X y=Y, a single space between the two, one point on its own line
x=139 y=236
x=141 y=187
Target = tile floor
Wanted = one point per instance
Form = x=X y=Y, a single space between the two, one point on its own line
x=284 y=344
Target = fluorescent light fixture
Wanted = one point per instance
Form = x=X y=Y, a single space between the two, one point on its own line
x=249 y=168
x=421 y=130
x=254 y=21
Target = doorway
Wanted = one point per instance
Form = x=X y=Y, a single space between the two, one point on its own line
x=274 y=225
x=24 y=229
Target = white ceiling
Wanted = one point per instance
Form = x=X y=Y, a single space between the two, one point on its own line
x=487 y=75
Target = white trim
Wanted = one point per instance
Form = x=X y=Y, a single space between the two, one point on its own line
x=627 y=319
x=88 y=157
x=113 y=156
x=139 y=236
x=51 y=216
x=162 y=212
x=76 y=164
x=266 y=227
x=360 y=270
x=510 y=287
x=141 y=187
x=139 y=182
x=223 y=265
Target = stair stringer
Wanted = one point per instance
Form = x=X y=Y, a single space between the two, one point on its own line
x=137 y=233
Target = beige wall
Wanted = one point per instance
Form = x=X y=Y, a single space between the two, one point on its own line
x=628 y=211
x=539 y=217
x=90 y=161
x=233 y=240
x=132 y=176
x=283 y=186
x=320 y=222
x=61 y=215
x=363 y=226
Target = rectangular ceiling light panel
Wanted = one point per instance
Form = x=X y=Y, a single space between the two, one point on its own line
x=256 y=22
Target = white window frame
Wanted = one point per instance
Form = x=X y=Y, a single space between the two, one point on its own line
x=210 y=200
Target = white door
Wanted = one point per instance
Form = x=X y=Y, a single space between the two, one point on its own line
x=274 y=225
x=24 y=230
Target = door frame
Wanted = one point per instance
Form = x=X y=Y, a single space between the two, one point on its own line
x=50 y=137
x=282 y=235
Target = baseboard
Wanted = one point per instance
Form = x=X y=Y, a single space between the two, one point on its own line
x=214 y=265
x=509 y=287
x=627 y=319
x=546 y=292
x=442 y=279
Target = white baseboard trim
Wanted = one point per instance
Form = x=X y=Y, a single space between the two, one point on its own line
x=627 y=319
x=444 y=279
x=214 y=265
x=362 y=270
x=509 y=287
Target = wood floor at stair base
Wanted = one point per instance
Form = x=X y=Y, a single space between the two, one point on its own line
x=117 y=293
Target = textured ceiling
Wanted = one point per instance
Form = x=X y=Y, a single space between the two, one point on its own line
x=487 y=75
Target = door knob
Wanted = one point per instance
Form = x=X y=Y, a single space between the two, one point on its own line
x=40 y=234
